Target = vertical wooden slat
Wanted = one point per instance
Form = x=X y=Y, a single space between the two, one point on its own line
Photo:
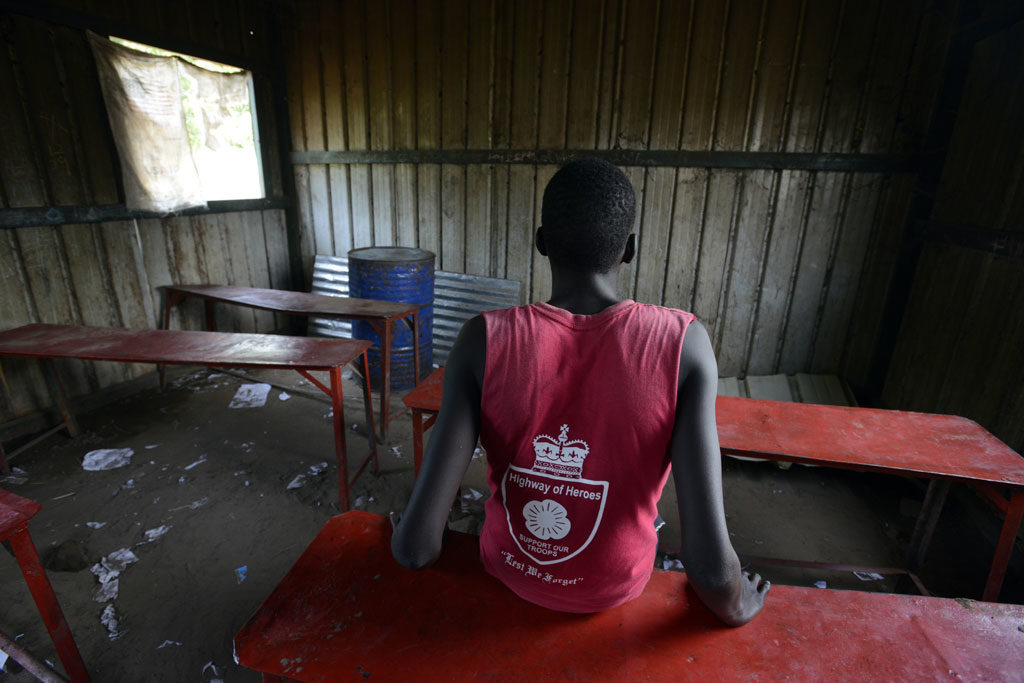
x=895 y=39
x=353 y=40
x=665 y=123
x=378 y=53
x=803 y=309
x=540 y=282
x=313 y=121
x=403 y=80
x=157 y=261
x=626 y=283
x=584 y=75
x=47 y=111
x=24 y=379
x=41 y=254
x=504 y=44
x=454 y=55
x=876 y=273
x=478 y=136
x=744 y=272
x=684 y=241
x=780 y=268
x=18 y=173
x=247 y=262
x=523 y=135
x=334 y=119
x=277 y=257
x=87 y=116
x=719 y=216
x=838 y=299
x=610 y=71
x=848 y=76
x=556 y=25
x=428 y=124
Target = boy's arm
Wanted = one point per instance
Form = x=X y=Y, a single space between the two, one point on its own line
x=707 y=553
x=416 y=542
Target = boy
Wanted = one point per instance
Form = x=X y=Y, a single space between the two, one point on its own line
x=582 y=404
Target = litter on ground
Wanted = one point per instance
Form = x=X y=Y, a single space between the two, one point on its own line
x=250 y=396
x=107 y=459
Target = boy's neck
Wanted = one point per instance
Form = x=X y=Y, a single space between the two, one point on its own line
x=583 y=293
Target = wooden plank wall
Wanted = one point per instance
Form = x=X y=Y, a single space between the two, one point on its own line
x=56 y=150
x=959 y=348
x=787 y=268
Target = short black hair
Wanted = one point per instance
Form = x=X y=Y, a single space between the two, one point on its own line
x=587 y=214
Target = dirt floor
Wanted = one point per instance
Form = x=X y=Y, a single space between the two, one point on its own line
x=210 y=506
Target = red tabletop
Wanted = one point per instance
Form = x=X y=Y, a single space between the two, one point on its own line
x=892 y=441
x=179 y=347
x=347 y=610
x=427 y=394
x=15 y=511
x=299 y=303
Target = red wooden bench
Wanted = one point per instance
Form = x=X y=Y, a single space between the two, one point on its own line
x=15 y=513
x=940 y=448
x=347 y=611
x=380 y=315
x=212 y=349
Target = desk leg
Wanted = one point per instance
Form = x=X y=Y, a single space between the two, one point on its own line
x=385 y=381
x=371 y=427
x=417 y=440
x=338 y=406
x=1004 y=549
x=59 y=396
x=46 y=601
x=170 y=301
x=211 y=319
x=934 y=499
x=416 y=347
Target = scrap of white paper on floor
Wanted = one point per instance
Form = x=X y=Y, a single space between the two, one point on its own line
x=107 y=459
x=250 y=396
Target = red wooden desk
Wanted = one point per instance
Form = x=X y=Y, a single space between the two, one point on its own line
x=941 y=448
x=15 y=513
x=213 y=349
x=347 y=611
x=380 y=315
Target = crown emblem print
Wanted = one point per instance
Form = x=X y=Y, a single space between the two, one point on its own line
x=560 y=457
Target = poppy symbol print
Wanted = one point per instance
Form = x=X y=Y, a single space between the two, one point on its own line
x=553 y=512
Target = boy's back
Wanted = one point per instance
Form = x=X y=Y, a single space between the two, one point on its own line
x=576 y=417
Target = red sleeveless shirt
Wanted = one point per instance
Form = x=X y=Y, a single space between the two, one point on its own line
x=577 y=413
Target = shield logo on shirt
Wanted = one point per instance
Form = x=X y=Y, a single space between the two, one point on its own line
x=553 y=513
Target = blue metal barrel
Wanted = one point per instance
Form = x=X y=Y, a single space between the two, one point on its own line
x=395 y=274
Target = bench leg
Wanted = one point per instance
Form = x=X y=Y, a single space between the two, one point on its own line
x=934 y=499
x=1004 y=548
x=46 y=601
x=338 y=407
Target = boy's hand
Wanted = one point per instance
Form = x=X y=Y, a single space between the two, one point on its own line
x=753 y=590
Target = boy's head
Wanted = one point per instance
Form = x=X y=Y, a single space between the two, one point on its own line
x=587 y=215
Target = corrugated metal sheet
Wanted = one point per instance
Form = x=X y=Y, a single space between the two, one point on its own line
x=457 y=298
x=787 y=268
